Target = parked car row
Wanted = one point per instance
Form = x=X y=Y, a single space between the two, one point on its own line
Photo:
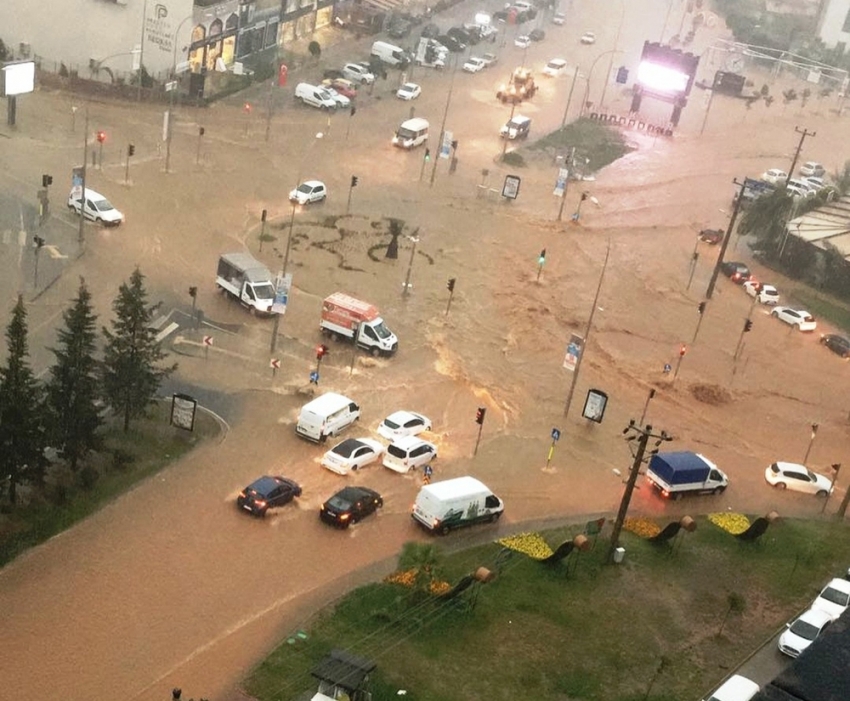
x=807 y=185
x=832 y=601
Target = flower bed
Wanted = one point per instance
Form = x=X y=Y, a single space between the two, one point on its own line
x=731 y=523
x=641 y=526
x=531 y=544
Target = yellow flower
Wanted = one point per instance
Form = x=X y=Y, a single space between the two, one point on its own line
x=731 y=523
x=531 y=544
x=641 y=526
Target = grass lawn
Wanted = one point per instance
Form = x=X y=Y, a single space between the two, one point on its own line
x=124 y=460
x=577 y=630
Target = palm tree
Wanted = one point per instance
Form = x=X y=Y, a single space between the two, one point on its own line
x=424 y=559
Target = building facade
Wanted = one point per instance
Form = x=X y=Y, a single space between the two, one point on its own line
x=834 y=24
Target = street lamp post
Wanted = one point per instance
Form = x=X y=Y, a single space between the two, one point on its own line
x=811 y=443
x=611 y=59
x=276 y=328
x=590 y=76
x=142 y=50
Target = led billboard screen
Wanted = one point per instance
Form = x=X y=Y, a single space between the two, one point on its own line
x=18 y=78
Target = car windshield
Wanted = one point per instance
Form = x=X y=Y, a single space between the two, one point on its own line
x=305 y=189
x=346 y=448
x=396 y=452
x=408 y=87
x=404 y=133
x=382 y=330
x=102 y=205
x=804 y=629
x=264 y=290
x=339 y=503
x=835 y=596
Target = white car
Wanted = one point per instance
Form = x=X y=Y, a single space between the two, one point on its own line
x=408 y=91
x=340 y=99
x=814 y=182
x=812 y=168
x=489 y=59
x=522 y=41
x=799 y=478
x=352 y=454
x=358 y=73
x=834 y=599
x=559 y=18
x=803 y=632
x=403 y=423
x=588 y=38
x=774 y=176
x=805 y=189
x=795 y=317
x=97 y=208
x=409 y=452
x=735 y=688
x=766 y=294
x=555 y=67
x=309 y=191
x=474 y=64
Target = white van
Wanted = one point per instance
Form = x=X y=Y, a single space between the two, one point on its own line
x=412 y=133
x=736 y=688
x=443 y=506
x=391 y=55
x=314 y=96
x=326 y=416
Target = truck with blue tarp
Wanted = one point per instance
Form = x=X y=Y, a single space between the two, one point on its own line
x=677 y=473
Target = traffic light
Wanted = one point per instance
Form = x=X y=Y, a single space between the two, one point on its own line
x=131 y=150
x=701 y=308
x=46 y=180
x=352 y=111
x=542 y=257
x=454 y=145
x=451 y=284
x=193 y=292
x=264 y=215
x=622 y=75
x=479 y=415
x=37 y=241
x=427 y=154
x=584 y=196
x=101 y=136
x=321 y=351
x=201 y=131
x=354 y=181
x=748 y=325
x=247 y=108
x=836 y=466
x=682 y=350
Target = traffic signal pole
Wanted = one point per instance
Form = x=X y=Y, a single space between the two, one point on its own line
x=740 y=198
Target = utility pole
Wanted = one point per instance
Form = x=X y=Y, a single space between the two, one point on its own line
x=587 y=333
x=406 y=289
x=443 y=125
x=649 y=398
x=633 y=432
x=811 y=443
x=569 y=99
x=803 y=134
x=725 y=244
x=81 y=235
x=569 y=167
x=701 y=309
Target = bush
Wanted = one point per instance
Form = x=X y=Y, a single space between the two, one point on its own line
x=514 y=158
x=87 y=477
x=122 y=459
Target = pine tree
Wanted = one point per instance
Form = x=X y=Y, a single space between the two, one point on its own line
x=131 y=376
x=22 y=439
x=74 y=385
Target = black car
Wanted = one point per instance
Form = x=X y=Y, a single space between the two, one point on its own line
x=461 y=35
x=350 y=505
x=537 y=35
x=267 y=493
x=737 y=272
x=712 y=236
x=430 y=31
x=451 y=43
x=837 y=344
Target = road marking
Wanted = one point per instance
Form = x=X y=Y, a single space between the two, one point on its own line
x=167 y=331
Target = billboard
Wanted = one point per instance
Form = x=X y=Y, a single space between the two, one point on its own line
x=18 y=78
x=666 y=72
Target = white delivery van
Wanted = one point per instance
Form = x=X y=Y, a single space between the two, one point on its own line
x=326 y=416
x=443 y=506
x=391 y=55
x=314 y=96
x=412 y=133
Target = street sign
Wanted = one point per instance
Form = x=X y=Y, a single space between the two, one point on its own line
x=571 y=357
x=446 y=145
x=283 y=284
x=594 y=405
x=510 y=190
x=556 y=434
x=314 y=377
x=208 y=340
x=274 y=363
x=561 y=182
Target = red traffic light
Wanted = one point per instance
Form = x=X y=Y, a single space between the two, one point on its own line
x=683 y=349
x=101 y=136
x=479 y=415
x=321 y=351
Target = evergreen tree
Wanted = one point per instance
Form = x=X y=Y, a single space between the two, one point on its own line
x=22 y=439
x=74 y=385
x=131 y=376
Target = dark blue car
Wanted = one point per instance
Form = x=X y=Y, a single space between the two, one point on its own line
x=267 y=493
